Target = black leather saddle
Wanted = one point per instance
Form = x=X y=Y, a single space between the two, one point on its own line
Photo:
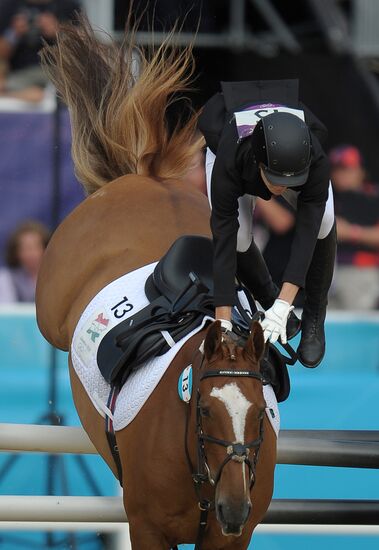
x=188 y=254
x=180 y=295
x=180 y=292
x=274 y=369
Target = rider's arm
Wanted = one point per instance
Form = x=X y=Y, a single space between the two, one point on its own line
x=310 y=210
x=288 y=292
x=224 y=220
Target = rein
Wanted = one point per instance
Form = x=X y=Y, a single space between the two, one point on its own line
x=238 y=452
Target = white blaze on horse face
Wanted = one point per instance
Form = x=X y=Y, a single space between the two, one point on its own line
x=237 y=406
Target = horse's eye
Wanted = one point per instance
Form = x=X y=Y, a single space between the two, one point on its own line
x=204 y=411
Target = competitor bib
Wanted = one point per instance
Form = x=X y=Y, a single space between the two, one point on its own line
x=247 y=119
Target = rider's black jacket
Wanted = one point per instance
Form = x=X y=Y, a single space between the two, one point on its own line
x=235 y=174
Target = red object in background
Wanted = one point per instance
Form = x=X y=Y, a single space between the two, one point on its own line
x=346 y=156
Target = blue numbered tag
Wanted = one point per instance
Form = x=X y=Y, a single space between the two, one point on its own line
x=185 y=384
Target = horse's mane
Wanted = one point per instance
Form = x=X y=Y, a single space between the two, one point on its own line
x=118 y=95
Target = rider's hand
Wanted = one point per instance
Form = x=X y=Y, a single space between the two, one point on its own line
x=275 y=321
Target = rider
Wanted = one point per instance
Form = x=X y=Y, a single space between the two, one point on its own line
x=263 y=142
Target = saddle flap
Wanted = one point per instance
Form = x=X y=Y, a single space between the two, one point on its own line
x=275 y=371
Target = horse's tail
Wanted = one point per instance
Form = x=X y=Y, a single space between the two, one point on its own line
x=118 y=96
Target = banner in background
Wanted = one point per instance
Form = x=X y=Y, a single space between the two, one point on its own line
x=26 y=170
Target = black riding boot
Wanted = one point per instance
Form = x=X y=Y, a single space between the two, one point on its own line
x=319 y=278
x=254 y=274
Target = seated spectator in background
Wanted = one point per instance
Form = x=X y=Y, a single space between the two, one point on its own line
x=24 y=253
x=23 y=25
x=356 y=283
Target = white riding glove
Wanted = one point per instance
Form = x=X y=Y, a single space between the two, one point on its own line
x=275 y=322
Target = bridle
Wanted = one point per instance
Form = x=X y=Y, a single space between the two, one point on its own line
x=244 y=453
x=238 y=452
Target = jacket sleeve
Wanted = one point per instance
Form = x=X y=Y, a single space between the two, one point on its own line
x=224 y=219
x=310 y=210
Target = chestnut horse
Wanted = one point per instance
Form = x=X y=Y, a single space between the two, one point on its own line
x=136 y=173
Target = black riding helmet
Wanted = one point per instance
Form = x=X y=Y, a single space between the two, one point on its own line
x=281 y=144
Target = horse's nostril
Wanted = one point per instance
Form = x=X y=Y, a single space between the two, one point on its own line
x=220 y=513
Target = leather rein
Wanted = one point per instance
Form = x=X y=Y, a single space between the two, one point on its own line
x=239 y=452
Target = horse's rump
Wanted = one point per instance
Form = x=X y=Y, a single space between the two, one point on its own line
x=127 y=224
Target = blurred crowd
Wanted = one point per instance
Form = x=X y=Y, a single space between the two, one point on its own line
x=25 y=24
x=356 y=279
x=23 y=256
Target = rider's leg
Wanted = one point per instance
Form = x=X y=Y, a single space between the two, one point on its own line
x=253 y=273
x=252 y=269
x=319 y=278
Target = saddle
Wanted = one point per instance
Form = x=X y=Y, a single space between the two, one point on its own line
x=180 y=292
x=180 y=295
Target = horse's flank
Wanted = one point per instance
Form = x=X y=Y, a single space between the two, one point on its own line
x=126 y=224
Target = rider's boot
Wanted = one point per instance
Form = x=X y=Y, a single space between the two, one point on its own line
x=319 y=278
x=254 y=274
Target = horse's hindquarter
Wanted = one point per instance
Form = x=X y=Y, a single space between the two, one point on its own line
x=126 y=224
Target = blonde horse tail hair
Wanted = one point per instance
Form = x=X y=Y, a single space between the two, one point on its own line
x=118 y=96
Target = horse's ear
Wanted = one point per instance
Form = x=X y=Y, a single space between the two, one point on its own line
x=212 y=340
x=255 y=345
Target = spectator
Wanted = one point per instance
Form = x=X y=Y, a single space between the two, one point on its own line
x=24 y=253
x=357 y=213
x=23 y=25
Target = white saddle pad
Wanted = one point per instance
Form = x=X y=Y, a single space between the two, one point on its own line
x=116 y=302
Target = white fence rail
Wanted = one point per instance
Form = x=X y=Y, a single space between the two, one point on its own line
x=353 y=449
x=106 y=514
x=44 y=439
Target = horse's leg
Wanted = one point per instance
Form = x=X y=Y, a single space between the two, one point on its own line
x=215 y=540
x=146 y=537
x=91 y=420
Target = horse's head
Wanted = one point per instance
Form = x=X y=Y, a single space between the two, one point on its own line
x=230 y=413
